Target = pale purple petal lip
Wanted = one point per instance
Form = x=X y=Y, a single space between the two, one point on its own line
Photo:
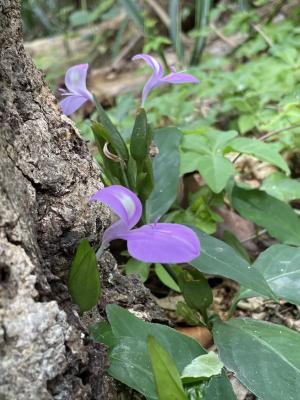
x=158 y=242
x=77 y=93
x=157 y=78
x=163 y=242
x=122 y=201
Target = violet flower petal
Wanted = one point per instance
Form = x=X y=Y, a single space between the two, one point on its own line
x=71 y=103
x=177 y=78
x=77 y=93
x=75 y=80
x=123 y=202
x=154 y=80
x=163 y=242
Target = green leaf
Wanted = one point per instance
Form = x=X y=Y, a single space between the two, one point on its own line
x=196 y=290
x=101 y=332
x=166 y=173
x=139 y=141
x=218 y=258
x=210 y=162
x=166 y=278
x=202 y=367
x=219 y=388
x=202 y=12
x=137 y=267
x=110 y=133
x=215 y=170
x=166 y=375
x=84 y=279
x=129 y=359
x=134 y=12
x=277 y=217
x=233 y=241
x=263 y=151
x=264 y=357
x=280 y=266
x=246 y=122
x=281 y=187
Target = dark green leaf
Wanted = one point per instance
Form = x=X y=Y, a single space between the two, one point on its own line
x=196 y=290
x=139 y=142
x=101 y=332
x=219 y=388
x=84 y=280
x=110 y=133
x=277 y=217
x=281 y=187
x=218 y=258
x=201 y=23
x=233 y=241
x=166 y=173
x=264 y=357
x=166 y=375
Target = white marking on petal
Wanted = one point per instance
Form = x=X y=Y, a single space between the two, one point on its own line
x=128 y=203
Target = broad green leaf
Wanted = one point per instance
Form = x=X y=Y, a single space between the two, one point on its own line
x=166 y=173
x=166 y=278
x=196 y=290
x=166 y=375
x=281 y=187
x=277 y=217
x=233 y=241
x=137 y=267
x=264 y=357
x=84 y=279
x=139 y=141
x=280 y=266
x=129 y=359
x=202 y=367
x=217 y=258
x=101 y=332
x=263 y=151
x=215 y=170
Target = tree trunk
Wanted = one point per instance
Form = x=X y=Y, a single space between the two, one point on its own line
x=46 y=178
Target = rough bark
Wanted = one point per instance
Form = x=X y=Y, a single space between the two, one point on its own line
x=46 y=178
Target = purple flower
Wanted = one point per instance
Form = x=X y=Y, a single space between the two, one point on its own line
x=158 y=78
x=158 y=242
x=77 y=93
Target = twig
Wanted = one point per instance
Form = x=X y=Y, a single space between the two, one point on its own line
x=222 y=36
x=258 y=29
x=255 y=236
x=277 y=131
x=119 y=61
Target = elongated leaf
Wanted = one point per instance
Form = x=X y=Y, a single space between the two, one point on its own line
x=263 y=151
x=201 y=23
x=196 y=290
x=166 y=173
x=84 y=280
x=265 y=357
x=110 y=133
x=175 y=27
x=280 y=266
x=133 y=11
x=139 y=141
x=218 y=258
x=166 y=278
x=137 y=267
x=277 y=217
x=166 y=375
